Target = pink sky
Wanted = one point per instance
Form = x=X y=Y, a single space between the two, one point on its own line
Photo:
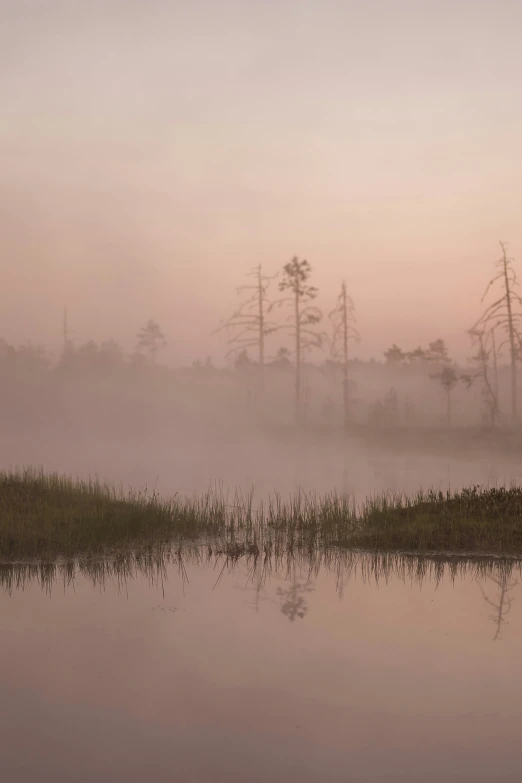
x=152 y=153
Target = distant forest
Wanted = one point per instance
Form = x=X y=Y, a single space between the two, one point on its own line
x=407 y=385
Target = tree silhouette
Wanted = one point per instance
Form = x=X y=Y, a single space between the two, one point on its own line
x=394 y=355
x=243 y=361
x=417 y=355
x=282 y=359
x=343 y=323
x=249 y=324
x=506 y=314
x=449 y=378
x=437 y=352
x=486 y=348
x=295 y=280
x=150 y=340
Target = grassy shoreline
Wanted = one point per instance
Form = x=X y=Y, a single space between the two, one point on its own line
x=45 y=517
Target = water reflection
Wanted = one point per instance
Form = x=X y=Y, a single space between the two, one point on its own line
x=292 y=600
x=199 y=667
x=297 y=571
x=502 y=602
x=345 y=564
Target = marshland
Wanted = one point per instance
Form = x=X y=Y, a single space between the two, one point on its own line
x=49 y=516
x=260 y=391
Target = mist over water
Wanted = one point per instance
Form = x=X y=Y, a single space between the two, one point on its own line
x=188 y=430
x=265 y=465
x=243 y=247
x=151 y=157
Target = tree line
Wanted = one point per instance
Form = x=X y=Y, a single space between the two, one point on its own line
x=498 y=327
x=496 y=334
x=252 y=322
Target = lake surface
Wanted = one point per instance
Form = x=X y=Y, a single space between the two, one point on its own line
x=217 y=674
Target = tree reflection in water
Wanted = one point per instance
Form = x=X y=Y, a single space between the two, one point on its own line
x=292 y=600
x=502 y=604
x=298 y=570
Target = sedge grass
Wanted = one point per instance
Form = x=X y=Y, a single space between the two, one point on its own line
x=47 y=516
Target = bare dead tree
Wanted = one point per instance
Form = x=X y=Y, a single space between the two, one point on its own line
x=486 y=346
x=295 y=280
x=343 y=325
x=249 y=324
x=506 y=314
x=494 y=356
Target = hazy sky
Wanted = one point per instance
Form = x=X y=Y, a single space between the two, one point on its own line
x=151 y=152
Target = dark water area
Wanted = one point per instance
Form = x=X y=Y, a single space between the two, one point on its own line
x=212 y=673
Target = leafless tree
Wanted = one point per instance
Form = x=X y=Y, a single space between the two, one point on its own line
x=486 y=346
x=494 y=357
x=343 y=324
x=295 y=280
x=506 y=314
x=249 y=324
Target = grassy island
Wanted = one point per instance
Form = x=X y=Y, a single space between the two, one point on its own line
x=44 y=517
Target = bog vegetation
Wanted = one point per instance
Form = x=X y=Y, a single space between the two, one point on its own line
x=44 y=517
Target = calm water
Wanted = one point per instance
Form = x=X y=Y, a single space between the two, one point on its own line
x=334 y=676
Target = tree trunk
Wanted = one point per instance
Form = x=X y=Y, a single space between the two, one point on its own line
x=495 y=375
x=491 y=390
x=345 y=360
x=511 y=328
x=297 y=359
x=261 y=331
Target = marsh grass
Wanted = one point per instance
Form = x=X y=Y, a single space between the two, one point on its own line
x=475 y=520
x=45 y=517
